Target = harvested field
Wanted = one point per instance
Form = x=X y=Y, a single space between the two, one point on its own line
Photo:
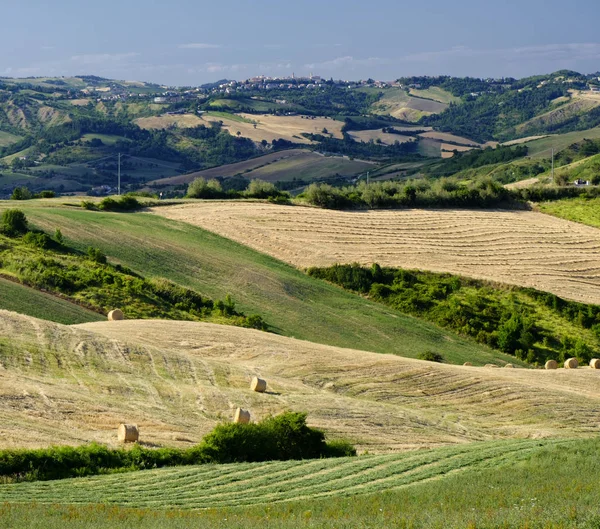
x=166 y=120
x=517 y=247
x=176 y=380
x=449 y=148
x=521 y=184
x=445 y=137
x=278 y=166
x=366 y=136
x=396 y=102
x=269 y=127
x=523 y=140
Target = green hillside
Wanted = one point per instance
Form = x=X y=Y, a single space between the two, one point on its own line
x=19 y=298
x=292 y=303
x=509 y=484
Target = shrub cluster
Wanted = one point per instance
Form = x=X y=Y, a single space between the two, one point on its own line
x=23 y=193
x=505 y=319
x=283 y=437
x=213 y=189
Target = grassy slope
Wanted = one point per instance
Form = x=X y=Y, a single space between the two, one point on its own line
x=542 y=148
x=294 y=304
x=509 y=484
x=582 y=210
x=8 y=139
x=19 y=298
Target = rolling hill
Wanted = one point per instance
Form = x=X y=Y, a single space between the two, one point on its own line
x=176 y=380
x=516 y=247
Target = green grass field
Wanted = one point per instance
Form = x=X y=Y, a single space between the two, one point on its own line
x=436 y=93
x=582 y=210
x=542 y=148
x=19 y=298
x=226 y=115
x=506 y=484
x=8 y=139
x=291 y=302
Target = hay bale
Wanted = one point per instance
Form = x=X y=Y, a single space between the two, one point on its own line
x=551 y=364
x=490 y=365
x=595 y=363
x=128 y=433
x=468 y=364
x=115 y=315
x=258 y=384
x=510 y=366
x=241 y=416
x=571 y=363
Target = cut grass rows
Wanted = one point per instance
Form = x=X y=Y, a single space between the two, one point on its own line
x=261 y=483
x=286 y=298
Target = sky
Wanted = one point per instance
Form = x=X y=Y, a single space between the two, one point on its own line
x=191 y=42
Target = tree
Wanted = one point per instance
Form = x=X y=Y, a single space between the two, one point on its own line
x=14 y=223
x=21 y=193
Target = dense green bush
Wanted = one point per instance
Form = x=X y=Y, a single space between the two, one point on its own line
x=14 y=223
x=21 y=193
x=38 y=240
x=261 y=189
x=430 y=356
x=96 y=255
x=283 y=437
x=123 y=203
x=200 y=188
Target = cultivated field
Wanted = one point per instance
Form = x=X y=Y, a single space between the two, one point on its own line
x=166 y=120
x=268 y=127
x=542 y=148
x=516 y=247
x=176 y=380
x=446 y=137
x=279 y=166
x=399 y=104
x=286 y=298
x=436 y=93
x=366 y=136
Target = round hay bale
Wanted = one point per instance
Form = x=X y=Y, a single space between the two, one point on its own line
x=490 y=365
x=128 y=433
x=551 y=364
x=115 y=315
x=241 y=416
x=258 y=384
x=469 y=364
x=595 y=363
x=510 y=366
x=571 y=363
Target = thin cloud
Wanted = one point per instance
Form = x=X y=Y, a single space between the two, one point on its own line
x=199 y=46
x=346 y=62
x=103 y=58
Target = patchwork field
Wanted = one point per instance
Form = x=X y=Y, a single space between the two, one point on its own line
x=436 y=93
x=446 y=137
x=366 y=136
x=268 y=127
x=542 y=148
x=176 y=380
x=399 y=104
x=286 y=298
x=167 y=120
x=279 y=166
x=516 y=247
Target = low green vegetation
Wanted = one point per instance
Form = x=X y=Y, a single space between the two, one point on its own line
x=532 y=325
x=25 y=300
x=583 y=210
x=444 y=192
x=504 y=484
x=37 y=260
x=200 y=188
x=280 y=438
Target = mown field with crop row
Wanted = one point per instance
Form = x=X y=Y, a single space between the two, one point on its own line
x=524 y=248
x=510 y=485
x=213 y=266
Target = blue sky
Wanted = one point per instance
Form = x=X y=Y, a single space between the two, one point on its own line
x=188 y=42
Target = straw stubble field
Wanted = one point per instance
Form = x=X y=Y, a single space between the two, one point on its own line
x=176 y=380
x=523 y=248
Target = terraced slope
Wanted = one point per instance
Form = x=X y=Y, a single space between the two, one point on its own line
x=517 y=247
x=218 y=486
x=176 y=380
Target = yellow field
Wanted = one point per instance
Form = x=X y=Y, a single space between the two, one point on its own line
x=80 y=102
x=524 y=140
x=517 y=247
x=269 y=127
x=166 y=121
x=176 y=380
x=444 y=137
x=449 y=148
